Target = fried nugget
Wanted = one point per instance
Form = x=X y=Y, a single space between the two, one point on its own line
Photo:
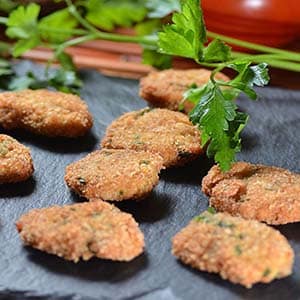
x=114 y=174
x=45 y=112
x=166 y=88
x=264 y=193
x=242 y=251
x=82 y=231
x=15 y=160
x=161 y=131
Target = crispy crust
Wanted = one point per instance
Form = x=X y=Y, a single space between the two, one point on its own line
x=161 y=131
x=45 y=112
x=264 y=193
x=242 y=251
x=82 y=231
x=165 y=88
x=15 y=160
x=114 y=174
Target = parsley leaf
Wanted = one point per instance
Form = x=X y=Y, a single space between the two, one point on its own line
x=65 y=61
x=217 y=116
x=216 y=51
x=214 y=114
x=5 y=67
x=7 y=5
x=65 y=81
x=22 y=24
x=160 y=9
x=148 y=27
x=150 y=55
x=247 y=77
x=186 y=36
x=57 y=20
x=155 y=59
x=107 y=14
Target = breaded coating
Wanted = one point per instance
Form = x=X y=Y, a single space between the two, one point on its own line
x=15 y=160
x=267 y=194
x=82 y=231
x=114 y=174
x=242 y=251
x=161 y=131
x=166 y=88
x=45 y=112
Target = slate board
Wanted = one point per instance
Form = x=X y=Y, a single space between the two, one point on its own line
x=272 y=137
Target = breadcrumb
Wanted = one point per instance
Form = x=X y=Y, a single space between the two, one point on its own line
x=15 y=160
x=45 y=112
x=114 y=174
x=166 y=88
x=168 y=133
x=82 y=231
x=242 y=251
x=264 y=193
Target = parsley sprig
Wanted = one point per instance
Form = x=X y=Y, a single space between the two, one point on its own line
x=215 y=113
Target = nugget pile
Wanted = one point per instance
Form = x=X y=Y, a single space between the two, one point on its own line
x=167 y=133
x=135 y=148
x=242 y=251
x=114 y=174
x=15 y=160
x=166 y=88
x=45 y=112
x=264 y=193
x=82 y=231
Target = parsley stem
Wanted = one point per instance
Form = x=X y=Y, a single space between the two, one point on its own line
x=267 y=56
x=215 y=71
x=76 y=41
x=289 y=54
x=74 y=12
x=61 y=30
x=146 y=40
x=274 y=60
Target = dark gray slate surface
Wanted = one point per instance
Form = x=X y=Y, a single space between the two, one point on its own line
x=272 y=137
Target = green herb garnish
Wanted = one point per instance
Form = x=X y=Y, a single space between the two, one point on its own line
x=3 y=149
x=225 y=225
x=266 y=272
x=211 y=210
x=238 y=250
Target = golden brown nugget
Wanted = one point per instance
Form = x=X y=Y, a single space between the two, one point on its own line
x=242 y=251
x=45 y=112
x=264 y=193
x=82 y=231
x=15 y=160
x=114 y=174
x=166 y=88
x=168 y=133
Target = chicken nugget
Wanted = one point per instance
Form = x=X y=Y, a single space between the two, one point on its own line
x=166 y=88
x=114 y=174
x=82 y=231
x=161 y=131
x=242 y=251
x=267 y=194
x=45 y=112
x=15 y=160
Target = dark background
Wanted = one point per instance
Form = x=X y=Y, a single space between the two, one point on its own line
x=271 y=137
